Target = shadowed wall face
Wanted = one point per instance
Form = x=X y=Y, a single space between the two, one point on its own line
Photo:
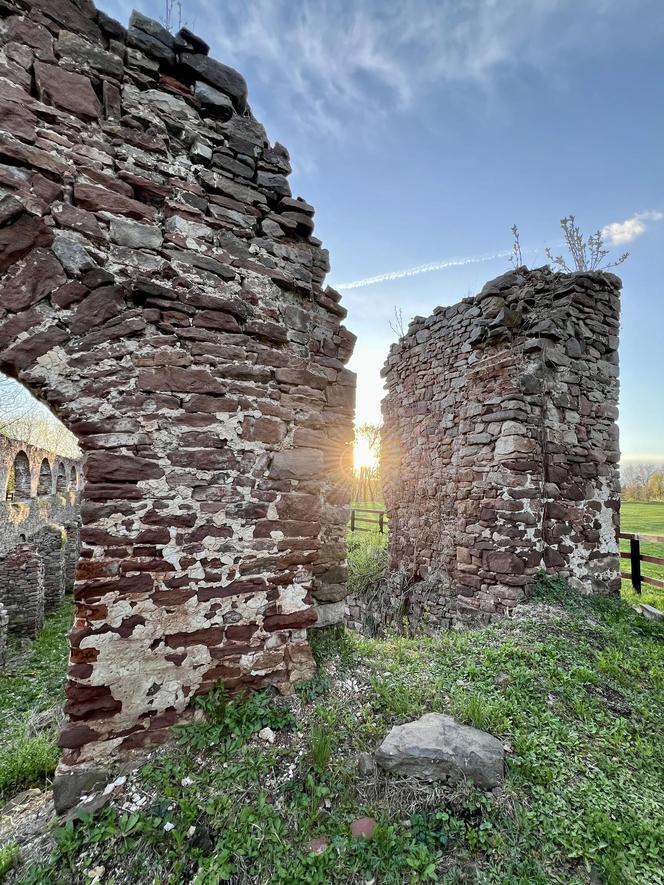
x=501 y=444
x=163 y=292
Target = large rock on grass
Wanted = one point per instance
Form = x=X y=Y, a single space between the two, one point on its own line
x=437 y=747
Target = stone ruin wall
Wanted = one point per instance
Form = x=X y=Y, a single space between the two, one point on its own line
x=39 y=535
x=163 y=292
x=500 y=449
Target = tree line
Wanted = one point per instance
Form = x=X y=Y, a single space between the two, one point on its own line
x=642 y=482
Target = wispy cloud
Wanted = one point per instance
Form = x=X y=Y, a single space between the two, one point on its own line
x=618 y=233
x=419 y=269
x=326 y=59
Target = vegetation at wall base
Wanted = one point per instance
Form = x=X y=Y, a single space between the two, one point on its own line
x=574 y=687
x=8 y=857
x=31 y=685
x=367 y=560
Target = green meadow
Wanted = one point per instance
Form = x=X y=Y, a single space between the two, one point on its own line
x=646 y=519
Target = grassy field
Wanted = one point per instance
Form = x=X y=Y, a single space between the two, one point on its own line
x=647 y=519
x=574 y=689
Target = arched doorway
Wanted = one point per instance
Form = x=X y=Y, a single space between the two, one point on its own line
x=45 y=485
x=61 y=481
x=20 y=482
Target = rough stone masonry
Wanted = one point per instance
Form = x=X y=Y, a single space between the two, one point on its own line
x=500 y=447
x=39 y=534
x=163 y=292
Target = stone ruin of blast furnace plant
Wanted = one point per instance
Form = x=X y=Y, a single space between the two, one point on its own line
x=163 y=292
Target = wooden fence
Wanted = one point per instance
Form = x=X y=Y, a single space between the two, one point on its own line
x=636 y=558
x=362 y=524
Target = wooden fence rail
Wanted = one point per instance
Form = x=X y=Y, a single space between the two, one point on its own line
x=358 y=523
x=636 y=558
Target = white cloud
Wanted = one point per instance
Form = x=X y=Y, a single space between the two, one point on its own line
x=618 y=233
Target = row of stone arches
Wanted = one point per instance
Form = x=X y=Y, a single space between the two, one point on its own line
x=53 y=478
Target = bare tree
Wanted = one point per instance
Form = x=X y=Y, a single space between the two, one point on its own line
x=22 y=417
x=16 y=409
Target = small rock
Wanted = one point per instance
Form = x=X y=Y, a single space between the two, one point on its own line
x=66 y=90
x=126 y=232
x=437 y=747
x=218 y=75
x=70 y=786
x=650 y=612
x=186 y=39
x=266 y=734
x=150 y=45
x=363 y=828
x=72 y=256
x=503 y=680
x=200 y=151
x=10 y=209
x=366 y=765
x=318 y=845
x=153 y=28
x=214 y=100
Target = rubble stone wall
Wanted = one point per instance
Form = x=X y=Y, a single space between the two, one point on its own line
x=4 y=624
x=164 y=293
x=500 y=446
x=51 y=545
x=40 y=513
x=22 y=590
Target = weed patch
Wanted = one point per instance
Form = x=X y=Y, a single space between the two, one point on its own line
x=31 y=684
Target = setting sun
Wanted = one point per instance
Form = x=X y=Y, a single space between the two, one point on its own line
x=364 y=454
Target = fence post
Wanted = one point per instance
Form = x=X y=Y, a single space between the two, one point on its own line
x=380 y=521
x=635 y=562
x=352 y=520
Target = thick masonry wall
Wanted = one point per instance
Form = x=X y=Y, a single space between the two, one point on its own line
x=50 y=544
x=164 y=293
x=22 y=590
x=500 y=446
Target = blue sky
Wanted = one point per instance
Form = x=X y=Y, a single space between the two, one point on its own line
x=423 y=129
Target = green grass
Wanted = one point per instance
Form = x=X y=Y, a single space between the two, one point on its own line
x=367 y=560
x=647 y=519
x=575 y=691
x=32 y=685
x=8 y=857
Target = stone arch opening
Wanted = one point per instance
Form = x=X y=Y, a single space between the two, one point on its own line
x=45 y=484
x=74 y=478
x=61 y=478
x=19 y=484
